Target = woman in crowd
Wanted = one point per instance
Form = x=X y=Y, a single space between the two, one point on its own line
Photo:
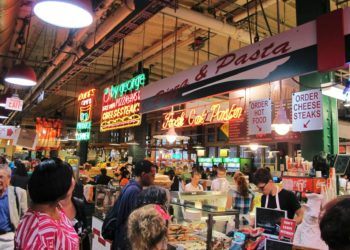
x=45 y=225
x=124 y=177
x=241 y=198
x=148 y=228
x=74 y=209
x=153 y=195
x=20 y=176
x=175 y=180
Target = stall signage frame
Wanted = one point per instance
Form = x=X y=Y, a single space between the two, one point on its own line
x=274 y=58
x=202 y=115
x=259 y=117
x=307 y=111
x=14 y=103
x=86 y=104
x=121 y=104
x=287 y=230
x=8 y=132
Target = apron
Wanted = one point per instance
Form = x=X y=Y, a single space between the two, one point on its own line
x=277 y=201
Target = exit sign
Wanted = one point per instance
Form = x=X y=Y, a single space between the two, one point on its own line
x=14 y=103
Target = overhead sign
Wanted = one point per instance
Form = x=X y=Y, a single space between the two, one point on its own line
x=259 y=117
x=307 y=110
x=121 y=104
x=215 y=113
x=8 y=132
x=274 y=58
x=14 y=103
x=86 y=103
x=48 y=132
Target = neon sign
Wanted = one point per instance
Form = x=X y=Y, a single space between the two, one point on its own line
x=85 y=100
x=121 y=104
x=200 y=116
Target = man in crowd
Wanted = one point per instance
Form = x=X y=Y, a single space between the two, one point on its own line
x=144 y=176
x=335 y=222
x=276 y=198
x=103 y=178
x=194 y=185
x=220 y=183
x=13 y=204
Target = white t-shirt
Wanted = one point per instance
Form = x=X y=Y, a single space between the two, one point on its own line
x=220 y=184
x=190 y=188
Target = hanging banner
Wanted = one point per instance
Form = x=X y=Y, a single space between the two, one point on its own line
x=307 y=110
x=86 y=103
x=121 y=104
x=8 y=132
x=259 y=117
x=201 y=115
x=48 y=132
x=288 y=54
x=14 y=103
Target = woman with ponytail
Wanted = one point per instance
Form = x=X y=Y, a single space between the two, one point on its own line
x=241 y=198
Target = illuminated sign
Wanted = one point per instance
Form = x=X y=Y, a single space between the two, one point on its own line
x=85 y=100
x=121 y=104
x=215 y=113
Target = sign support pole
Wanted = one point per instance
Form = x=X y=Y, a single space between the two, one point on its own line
x=327 y=140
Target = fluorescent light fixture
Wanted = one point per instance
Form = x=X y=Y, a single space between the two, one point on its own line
x=3 y=117
x=347 y=103
x=334 y=91
x=114 y=144
x=21 y=75
x=64 y=13
x=3 y=105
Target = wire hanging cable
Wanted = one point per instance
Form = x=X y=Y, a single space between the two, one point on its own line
x=278 y=16
x=175 y=45
x=162 y=53
x=266 y=21
x=256 y=38
x=248 y=18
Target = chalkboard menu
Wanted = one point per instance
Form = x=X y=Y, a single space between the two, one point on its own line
x=269 y=219
x=341 y=164
x=276 y=244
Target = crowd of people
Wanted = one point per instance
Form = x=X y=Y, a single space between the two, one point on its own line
x=139 y=218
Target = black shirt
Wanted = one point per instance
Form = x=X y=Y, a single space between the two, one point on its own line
x=288 y=202
x=103 y=179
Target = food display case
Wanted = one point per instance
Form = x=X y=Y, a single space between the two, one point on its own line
x=199 y=220
x=105 y=197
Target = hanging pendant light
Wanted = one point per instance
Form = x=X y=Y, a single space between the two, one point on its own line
x=281 y=124
x=171 y=135
x=65 y=13
x=22 y=75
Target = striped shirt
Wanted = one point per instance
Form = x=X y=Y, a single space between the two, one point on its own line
x=39 y=231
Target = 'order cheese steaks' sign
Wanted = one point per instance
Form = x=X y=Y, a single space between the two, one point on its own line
x=307 y=110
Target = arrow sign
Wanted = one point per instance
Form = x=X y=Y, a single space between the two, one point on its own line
x=8 y=132
x=307 y=110
x=259 y=128
x=305 y=124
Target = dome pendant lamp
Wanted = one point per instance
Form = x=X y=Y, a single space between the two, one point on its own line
x=281 y=124
x=65 y=13
x=22 y=75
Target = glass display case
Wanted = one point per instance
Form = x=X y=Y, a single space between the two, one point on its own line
x=200 y=220
x=105 y=197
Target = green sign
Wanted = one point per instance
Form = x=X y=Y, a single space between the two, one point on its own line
x=83 y=136
x=217 y=160
x=83 y=125
x=205 y=160
x=231 y=160
x=119 y=90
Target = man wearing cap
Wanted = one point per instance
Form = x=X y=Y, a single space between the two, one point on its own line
x=144 y=176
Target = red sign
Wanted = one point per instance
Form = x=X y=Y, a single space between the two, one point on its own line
x=287 y=229
x=48 y=132
x=215 y=113
x=14 y=103
x=303 y=184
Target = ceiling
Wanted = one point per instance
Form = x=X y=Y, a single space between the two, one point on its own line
x=110 y=50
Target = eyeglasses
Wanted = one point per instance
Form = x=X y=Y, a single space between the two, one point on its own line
x=261 y=188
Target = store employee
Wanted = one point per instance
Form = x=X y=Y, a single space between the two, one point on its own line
x=276 y=198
